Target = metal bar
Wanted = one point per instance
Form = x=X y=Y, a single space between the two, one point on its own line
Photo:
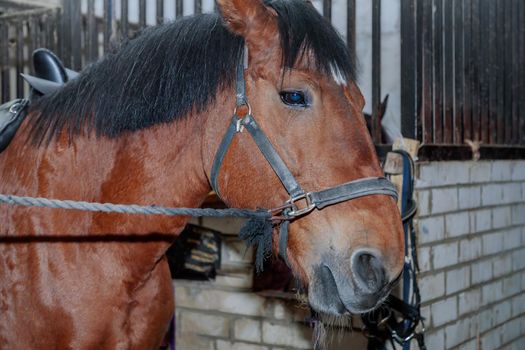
x=376 y=70
x=42 y=29
x=76 y=35
x=92 y=42
x=500 y=77
x=484 y=72
x=32 y=39
x=516 y=62
x=142 y=13
x=327 y=9
x=19 y=25
x=5 y=93
x=426 y=72
x=419 y=69
x=467 y=110
x=507 y=53
x=160 y=11
x=197 y=7
x=53 y=37
x=179 y=12
x=350 y=26
x=124 y=18
x=459 y=65
x=448 y=59
x=408 y=69
x=65 y=33
x=108 y=24
x=475 y=64
x=438 y=85
x=492 y=46
x=521 y=72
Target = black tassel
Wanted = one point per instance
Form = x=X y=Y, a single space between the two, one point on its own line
x=258 y=232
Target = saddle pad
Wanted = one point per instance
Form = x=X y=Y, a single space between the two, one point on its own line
x=12 y=114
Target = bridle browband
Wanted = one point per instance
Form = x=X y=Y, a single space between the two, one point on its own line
x=291 y=209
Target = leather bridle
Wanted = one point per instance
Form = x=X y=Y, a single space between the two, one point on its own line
x=300 y=202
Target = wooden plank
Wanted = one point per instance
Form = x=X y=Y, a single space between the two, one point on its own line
x=76 y=35
x=408 y=69
x=459 y=71
x=179 y=11
x=448 y=98
x=484 y=71
x=124 y=18
x=461 y=152
x=438 y=85
x=430 y=152
x=160 y=11
x=376 y=70
x=350 y=26
x=327 y=9
x=427 y=73
x=142 y=13
x=5 y=93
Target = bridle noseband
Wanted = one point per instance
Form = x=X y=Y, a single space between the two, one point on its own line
x=300 y=202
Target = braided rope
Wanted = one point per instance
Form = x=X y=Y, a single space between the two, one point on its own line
x=132 y=208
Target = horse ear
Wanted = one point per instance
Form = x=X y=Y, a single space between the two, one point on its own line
x=250 y=19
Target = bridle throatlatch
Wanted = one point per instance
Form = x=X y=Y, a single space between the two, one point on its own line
x=259 y=231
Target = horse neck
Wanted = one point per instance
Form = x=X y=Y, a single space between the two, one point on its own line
x=160 y=165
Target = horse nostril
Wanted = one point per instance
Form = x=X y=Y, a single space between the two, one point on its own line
x=369 y=272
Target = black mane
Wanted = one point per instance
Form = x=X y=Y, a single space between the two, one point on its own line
x=168 y=70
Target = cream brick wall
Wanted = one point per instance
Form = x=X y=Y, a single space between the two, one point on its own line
x=472 y=250
x=225 y=314
x=471 y=229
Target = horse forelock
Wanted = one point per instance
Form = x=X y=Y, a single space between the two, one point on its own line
x=168 y=71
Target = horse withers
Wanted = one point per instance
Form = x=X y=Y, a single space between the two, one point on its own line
x=143 y=125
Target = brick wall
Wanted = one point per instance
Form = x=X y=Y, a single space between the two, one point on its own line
x=471 y=229
x=472 y=253
x=226 y=315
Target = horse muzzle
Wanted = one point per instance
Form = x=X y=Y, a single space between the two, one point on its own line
x=338 y=289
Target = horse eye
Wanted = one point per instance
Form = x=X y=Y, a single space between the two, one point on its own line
x=294 y=98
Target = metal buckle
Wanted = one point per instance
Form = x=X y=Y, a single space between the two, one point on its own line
x=402 y=341
x=238 y=125
x=15 y=108
x=296 y=211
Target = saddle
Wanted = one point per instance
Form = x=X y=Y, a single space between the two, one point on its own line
x=50 y=75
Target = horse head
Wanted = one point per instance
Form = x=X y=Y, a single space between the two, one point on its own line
x=301 y=90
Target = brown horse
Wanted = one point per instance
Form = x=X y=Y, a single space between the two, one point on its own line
x=143 y=126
